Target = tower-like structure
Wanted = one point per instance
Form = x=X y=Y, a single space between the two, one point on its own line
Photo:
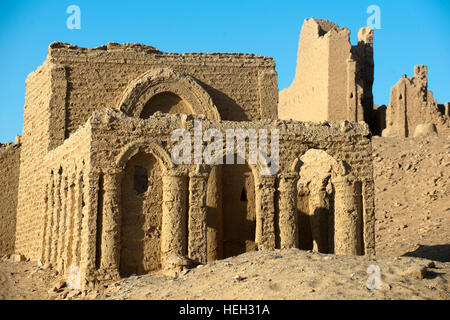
x=333 y=79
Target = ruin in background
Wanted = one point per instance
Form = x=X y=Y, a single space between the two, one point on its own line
x=412 y=110
x=333 y=79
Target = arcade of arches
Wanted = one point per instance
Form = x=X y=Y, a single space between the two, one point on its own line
x=230 y=213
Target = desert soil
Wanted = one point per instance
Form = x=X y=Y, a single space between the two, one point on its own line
x=412 y=237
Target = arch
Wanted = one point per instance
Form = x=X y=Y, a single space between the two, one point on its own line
x=145 y=146
x=315 y=199
x=160 y=80
x=165 y=102
x=141 y=219
x=338 y=167
x=238 y=209
x=255 y=168
x=231 y=217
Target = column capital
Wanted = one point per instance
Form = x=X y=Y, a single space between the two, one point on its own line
x=113 y=171
x=266 y=180
x=347 y=179
x=198 y=175
x=174 y=173
x=289 y=176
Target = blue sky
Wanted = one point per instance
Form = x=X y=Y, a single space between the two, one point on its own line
x=412 y=32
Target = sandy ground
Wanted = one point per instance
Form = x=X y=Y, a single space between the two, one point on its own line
x=412 y=237
x=412 y=197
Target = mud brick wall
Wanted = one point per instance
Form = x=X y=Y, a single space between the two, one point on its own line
x=73 y=82
x=35 y=145
x=67 y=186
x=86 y=176
x=9 y=184
x=242 y=86
x=412 y=104
x=333 y=79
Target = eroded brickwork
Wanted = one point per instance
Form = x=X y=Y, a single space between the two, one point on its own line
x=9 y=183
x=333 y=80
x=35 y=146
x=242 y=86
x=115 y=139
x=412 y=106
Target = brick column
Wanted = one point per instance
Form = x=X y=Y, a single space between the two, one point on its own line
x=346 y=217
x=319 y=211
x=55 y=219
x=49 y=226
x=77 y=219
x=197 y=246
x=265 y=212
x=173 y=235
x=62 y=225
x=368 y=204
x=88 y=245
x=111 y=220
x=68 y=235
x=288 y=211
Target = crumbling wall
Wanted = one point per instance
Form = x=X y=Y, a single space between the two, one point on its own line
x=69 y=204
x=307 y=97
x=35 y=145
x=343 y=141
x=411 y=105
x=110 y=139
x=9 y=183
x=363 y=54
x=333 y=79
x=73 y=82
x=242 y=86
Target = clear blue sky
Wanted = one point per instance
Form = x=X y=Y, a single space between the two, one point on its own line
x=412 y=32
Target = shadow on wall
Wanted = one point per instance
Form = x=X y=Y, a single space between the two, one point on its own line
x=165 y=102
x=377 y=122
x=227 y=107
x=436 y=252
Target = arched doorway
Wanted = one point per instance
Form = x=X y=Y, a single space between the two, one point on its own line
x=141 y=215
x=315 y=202
x=239 y=209
x=165 y=102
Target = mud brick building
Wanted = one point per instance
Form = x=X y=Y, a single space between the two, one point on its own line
x=97 y=187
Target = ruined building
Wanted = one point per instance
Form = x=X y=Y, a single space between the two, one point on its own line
x=333 y=80
x=413 y=111
x=9 y=179
x=98 y=189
